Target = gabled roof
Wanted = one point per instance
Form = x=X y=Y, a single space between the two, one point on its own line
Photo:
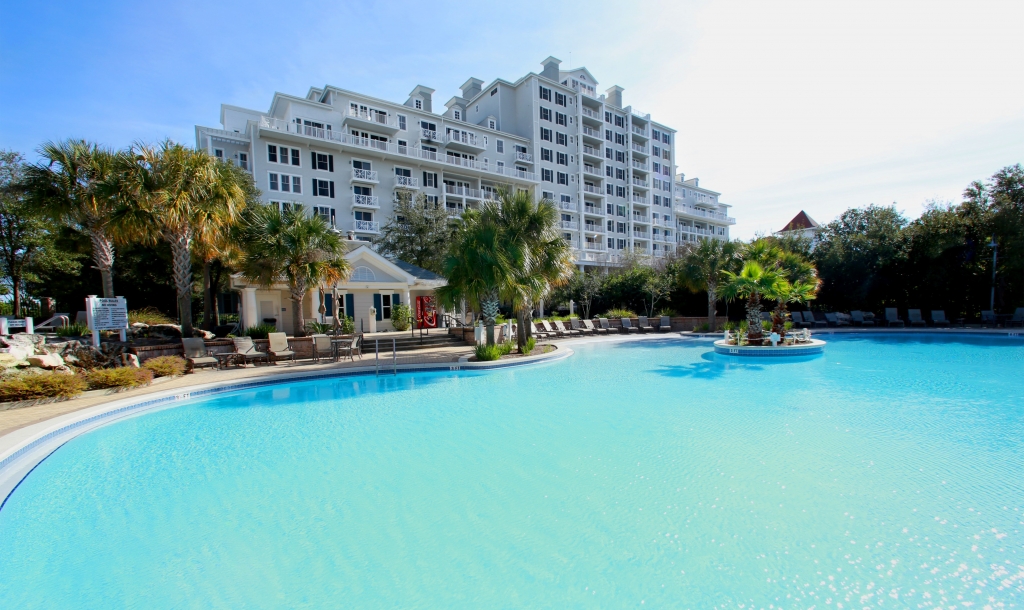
x=800 y=222
x=592 y=81
x=418 y=272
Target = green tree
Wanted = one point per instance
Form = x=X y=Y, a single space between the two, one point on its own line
x=581 y=288
x=172 y=193
x=27 y=239
x=702 y=267
x=72 y=185
x=418 y=232
x=752 y=282
x=295 y=246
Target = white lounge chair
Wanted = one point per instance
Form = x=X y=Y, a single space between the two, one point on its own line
x=578 y=325
x=563 y=331
x=914 y=315
x=599 y=331
x=196 y=354
x=245 y=350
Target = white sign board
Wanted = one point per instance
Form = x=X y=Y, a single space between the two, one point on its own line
x=106 y=314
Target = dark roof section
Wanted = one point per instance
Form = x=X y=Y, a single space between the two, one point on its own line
x=418 y=272
x=800 y=221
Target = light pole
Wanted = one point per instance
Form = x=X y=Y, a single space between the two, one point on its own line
x=995 y=249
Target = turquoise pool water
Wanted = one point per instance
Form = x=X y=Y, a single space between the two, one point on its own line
x=888 y=472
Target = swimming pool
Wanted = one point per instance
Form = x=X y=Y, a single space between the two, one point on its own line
x=888 y=471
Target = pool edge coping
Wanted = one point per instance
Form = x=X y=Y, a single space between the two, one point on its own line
x=23 y=449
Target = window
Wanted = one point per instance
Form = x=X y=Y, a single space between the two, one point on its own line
x=285 y=183
x=500 y=145
x=563 y=159
x=545 y=93
x=608 y=134
x=485 y=141
x=560 y=98
x=561 y=119
x=665 y=154
x=620 y=121
x=620 y=138
x=401 y=171
x=620 y=174
x=656 y=167
x=563 y=140
x=322 y=162
x=566 y=199
x=243 y=160
x=656 y=151
x=546 y=175
x=282 y=154
x=657 y=201
x=218 y=153
x=490 y=124
x=430 y=179
x=295 y=157
x=607 y=117
x=607 y=153
x=608 y=189
x=620 y=191
x=401 y=122
x=273 y=182
x=545 y=134
x=324 y=212
x=271 y=153
x=493 y=91
x=665 y=138
x=458 y=115
x=418 y=104
x=545 y=154
x=608 y=170
x=385 y=306
x=323 y=188
x=545 y=114
x=547 y=195
x=563 y=178
x=655 y=134
x=403 y=147
x=620 y=156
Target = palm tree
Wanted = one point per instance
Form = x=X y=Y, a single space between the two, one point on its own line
x=752 y=282
x=785 y=293
x=173 y=193
x=299 y=247
x=71 y=186
x=702 y=268
x=473 y=268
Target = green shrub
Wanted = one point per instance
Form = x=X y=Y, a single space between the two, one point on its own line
x=787 y=325
x=619 y=313
x=33 y=386
x=318 y=328
x=149 y=315
x=121 y=377
x=766 y=324
x=260 y=331
x=166 y=366
x=401 y=316
x=743 y=326
x=730 y=326
x=348 y=325
x=73 y=330
x=531 y=342
x=665 y=311
x=486 y=353
x=506 y=348
x=701 y=328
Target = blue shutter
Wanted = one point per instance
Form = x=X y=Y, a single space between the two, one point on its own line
x=350 y=306
x=378 y=307
x=396 y=299
x=329 y=304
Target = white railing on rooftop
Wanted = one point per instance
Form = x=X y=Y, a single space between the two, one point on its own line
x=703 y=213
x=640 y=114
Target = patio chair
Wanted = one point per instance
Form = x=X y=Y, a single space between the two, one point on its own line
x=605 y=326
x=563 y=331
x=914 y=315
x=857 y=316
x=627 y=326
x=196 y=354
x=540 y=334
x=597 y=331
x=988 y=317
x=321 y=347
x=939 y=318
x=832 y=319
x=245 y=350
x=544 y=324
x=816 y=320
x=644 y=324
x=279 y=348
x=843 y=318
x=353 y=349
x=798 y=319
x=892 y=318
x=577 y=325
x=665 y=326
x=1017 y=319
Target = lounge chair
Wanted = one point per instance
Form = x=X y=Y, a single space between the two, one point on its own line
x=914 y=315
x=563 y=331
x=892 y=318
x=988 y=317
x=627 y=326
x=644 y=324
x=605 y=326
x=939 y=318
x=279 y=348
x=245 y=350
x=578 y=326
x=540 y=334
x=858 y=318
x=549 y=329
x=665 y=326
x=798 y=319
x=196 y=354
x=831 y=319
x=321 y=347
x=817 y=320
x=597 y=331
x=1017 y=319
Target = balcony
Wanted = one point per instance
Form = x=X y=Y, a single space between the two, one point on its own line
x=592 y=171
x=463 y=140
x=367 y=226
x=431 y=136
x=591 y=257
x=567 y=206
x=590 y=133
x=641 y=235
x=645 y=116
x=591 y=151
x=376 y=120
x=569 y=225
x=590 y=114
x=366 y=201
x=590 y=188
x=591 y=227
x=524 y=157
x=463 y=191
x=596 y=244
x=364 y=175
x=641 y=165
x=642 y=218
x=640 y=199
x=455 y=211
x=641 y=183
x=639 y=148
x=406 y=182
x=639 y=131
x=593 y=209
x=694 y=211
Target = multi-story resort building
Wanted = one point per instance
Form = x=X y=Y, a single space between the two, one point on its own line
x=609 y=167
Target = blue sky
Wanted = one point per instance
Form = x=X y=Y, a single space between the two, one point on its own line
x=780 y=106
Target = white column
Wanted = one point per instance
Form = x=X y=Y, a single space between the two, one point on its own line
x=250 y=314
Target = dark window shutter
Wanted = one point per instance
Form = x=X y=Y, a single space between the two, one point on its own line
x=332 y=189
x=313 y=182
x=396 y=299
x=377 y=306
x=350 y=305
x=330 y=162
x=312 y=154
x=329 y=304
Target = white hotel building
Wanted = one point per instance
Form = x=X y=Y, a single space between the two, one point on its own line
x=610 y=168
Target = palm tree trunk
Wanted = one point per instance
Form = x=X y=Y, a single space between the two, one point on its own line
x=209 y=298
x=712 y=300
x=754 y=330
x=181 y=256
x=298 y=320
x=103 y=260
x=521 y=333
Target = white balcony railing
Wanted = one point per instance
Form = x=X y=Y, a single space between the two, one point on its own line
x=430 y=134
x=644 y=218
x=569 y=225
x=640 y=114
x=641 y=235
x=589 y=188
x=414 y=152
x=366 y=201
x=524 y=157
x=407 y=182
x=594 y=133
x=703 y=213
x=365 y=175
x=568 y=206
x=462 y=137
x=639 y=131
x=368 y=226
x=587 y=112
x=381 y=118
x=590 y=150
x=593 y=209
x=639 y=199
x=598 y=245
x=463 y=191
x=639 y=182
x=640 y=148
x=639 y=165
x=593 y=171
x=591 y=227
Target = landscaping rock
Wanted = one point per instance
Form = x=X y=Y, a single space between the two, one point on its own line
x=24 y=341
x=130 y=360
x=18 y=352
x=8 y=360
x=46 y=361
x=169 y=331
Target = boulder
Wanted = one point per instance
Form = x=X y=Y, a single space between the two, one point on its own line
x=170 y=331
x=130 y=360
x=46 y=361
x=23 y=340
x=8 y=360
x=18 y=352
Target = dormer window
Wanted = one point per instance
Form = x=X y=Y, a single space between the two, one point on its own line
x=458 y=115
x=418 y=104
x=490 y=124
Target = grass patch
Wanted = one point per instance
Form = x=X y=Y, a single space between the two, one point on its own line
x=260 y=331
x=619 y=313
x=72 y=330
x=166 y=366
x=34 y=386
x=149 y=315
x=124 y=377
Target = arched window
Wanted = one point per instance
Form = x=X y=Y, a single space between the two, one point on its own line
x=363 y=274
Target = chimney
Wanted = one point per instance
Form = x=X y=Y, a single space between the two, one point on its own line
x=550 y=70
x=471 y=88
x=615 y=96
x=424 y=95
